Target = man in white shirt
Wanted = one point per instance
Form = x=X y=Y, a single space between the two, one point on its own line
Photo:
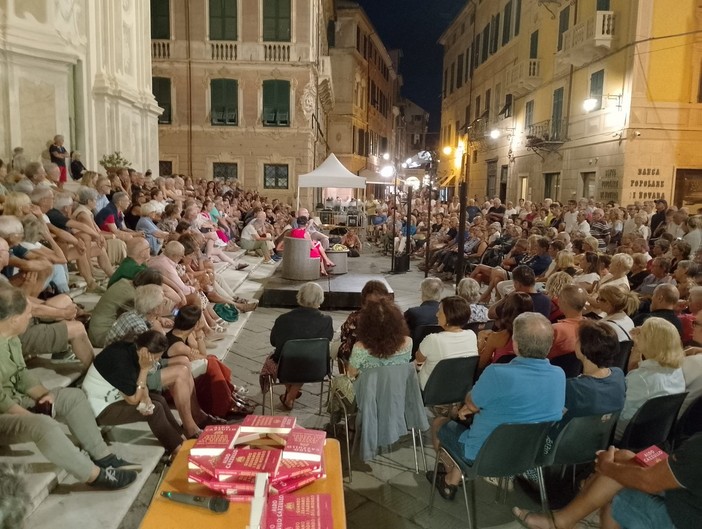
x=583 y=227
x=570 y=217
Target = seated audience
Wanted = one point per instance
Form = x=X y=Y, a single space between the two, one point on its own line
x=469 y=289
x=663 y=304
x=572 y=302
x=527 y=390
x=29 y=412
x=306 y=321
x=425 y=314
x=617 y=306
x=496 y=343
x=452 y=342
x=372 y=291
x=659 y=355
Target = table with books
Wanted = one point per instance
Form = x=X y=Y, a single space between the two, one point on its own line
x=272 y=472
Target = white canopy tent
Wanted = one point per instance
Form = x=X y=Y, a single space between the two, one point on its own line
x=330 y=173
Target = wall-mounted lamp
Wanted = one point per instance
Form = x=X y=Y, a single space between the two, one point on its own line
x=595 y=103
x=496 y=133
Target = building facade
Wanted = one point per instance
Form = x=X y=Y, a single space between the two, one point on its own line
x=245 y=88
x=82 y=69
x=568 y=99
x=364 y=122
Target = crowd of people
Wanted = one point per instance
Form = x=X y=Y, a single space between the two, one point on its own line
x=542 y=281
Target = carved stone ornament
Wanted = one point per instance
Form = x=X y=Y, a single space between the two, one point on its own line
x=69 y=21
x=309 y=94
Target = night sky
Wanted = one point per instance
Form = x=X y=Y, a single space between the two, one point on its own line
x=415 y=27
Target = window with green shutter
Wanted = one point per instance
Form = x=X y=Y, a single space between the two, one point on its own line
x=276 y=103
x=563 y=23
x=223 y=22
x=224 y=102
x=275 y=176
x=597 y=88
x=161 y=87
x=277 y=20
x=160 y=19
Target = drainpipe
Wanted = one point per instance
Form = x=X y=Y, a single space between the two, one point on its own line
x=570 y=85
x=189 y=87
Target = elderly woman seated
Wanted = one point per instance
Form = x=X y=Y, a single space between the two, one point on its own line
x=83 y=212
x=304 y=322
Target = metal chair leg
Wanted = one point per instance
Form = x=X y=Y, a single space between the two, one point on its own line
x=414 y=447
x=465 y=497
x=473 y=515
x=321 y=394
x=433 y=482
x=542 y=490
x=421 y=447
x=346 y=431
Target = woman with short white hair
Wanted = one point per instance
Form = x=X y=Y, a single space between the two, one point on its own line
x=304 y=322
x=148 y=300
x=469 y=289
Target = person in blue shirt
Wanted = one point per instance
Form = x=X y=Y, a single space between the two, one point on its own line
x=527 y=390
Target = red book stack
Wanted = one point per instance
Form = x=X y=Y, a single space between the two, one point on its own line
x=216 y=439
x=265 y=424
x=311 y=511
x=307 y=445
x=242 y=462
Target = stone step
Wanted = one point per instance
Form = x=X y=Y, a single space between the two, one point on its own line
x=73 y=504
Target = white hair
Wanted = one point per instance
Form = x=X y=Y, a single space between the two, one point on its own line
x=63 y=200
x=310 y=295
x=432 y=288
x=148 y=298
x=469 y=289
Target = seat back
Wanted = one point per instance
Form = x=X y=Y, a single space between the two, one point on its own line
x=422 y=332
x=389 y=405
x=652 y=423
x=478 y=326
x=690 y=422
x=505 y=359
x=511 y=449
x=303 y=361
x=621 y=359
x=450 y=381
x=581 y=438
x=569 y=363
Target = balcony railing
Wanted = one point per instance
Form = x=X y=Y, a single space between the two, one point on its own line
x=160 y=50
x=276 y=52
x=547 y=131
x=588 y=40
x=524 y=76
x=223 y=50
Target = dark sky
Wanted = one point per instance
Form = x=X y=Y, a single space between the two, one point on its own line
x=415 y=27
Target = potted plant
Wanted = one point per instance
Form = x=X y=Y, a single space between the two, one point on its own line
x=114 y=161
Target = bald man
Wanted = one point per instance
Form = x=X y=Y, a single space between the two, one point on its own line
x=138 y=251
x=665 y=298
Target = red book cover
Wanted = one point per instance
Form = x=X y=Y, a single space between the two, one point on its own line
x=290 y=511
x=215 y=439
x=293 y=468
x=203 y=463
x=650 y=456
x=235 y=498
x=280 y=424
x=240 y=462
x=304 y=444
x=243 y=485
x=291 y=485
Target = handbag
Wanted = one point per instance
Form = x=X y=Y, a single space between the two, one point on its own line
x=226 y=311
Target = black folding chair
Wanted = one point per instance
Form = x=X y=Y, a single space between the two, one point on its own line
x=652 y=423
x=303 y=362
x=511 y=449
x=505 y=359
x=579 y=439
x=688 y=424
x=621 y=359
x=478 y=326
x=422 y=332
x=450 y=381
x=569 y=363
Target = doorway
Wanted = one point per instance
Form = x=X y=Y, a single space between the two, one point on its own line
x=688 y=190
x=589 y=181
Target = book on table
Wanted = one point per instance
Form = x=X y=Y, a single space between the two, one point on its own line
x=239 y=462
x=289 y=511
x=304 y=444
x=215 y=439
x=267 y=424
x=291 y=484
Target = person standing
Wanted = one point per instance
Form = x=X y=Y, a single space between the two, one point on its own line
x=58 y=155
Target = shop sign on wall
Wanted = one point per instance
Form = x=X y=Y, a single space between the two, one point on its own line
x=609 y=186
x=643 y=187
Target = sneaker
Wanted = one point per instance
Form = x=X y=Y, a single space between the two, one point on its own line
x=112 y=461
x=113 y=479
x=270 y=261
x=65 y=356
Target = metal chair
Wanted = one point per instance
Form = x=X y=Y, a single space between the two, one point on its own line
x=652 y=422
x=303 y=362
x=505 y=359
x=407 y=414
x=422 y=332
x=478 y=326
x=688 y=424
x=621 y=359
x=569 y=363
x=510 y=449
x=450 y=381
x=579 y=439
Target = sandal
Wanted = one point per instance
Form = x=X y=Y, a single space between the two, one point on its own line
x=523 y=518
x=287 y=406
x=446 y=490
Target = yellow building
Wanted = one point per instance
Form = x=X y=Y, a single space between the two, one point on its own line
x=562 y=100
x=366 y=115
x=245 y=87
